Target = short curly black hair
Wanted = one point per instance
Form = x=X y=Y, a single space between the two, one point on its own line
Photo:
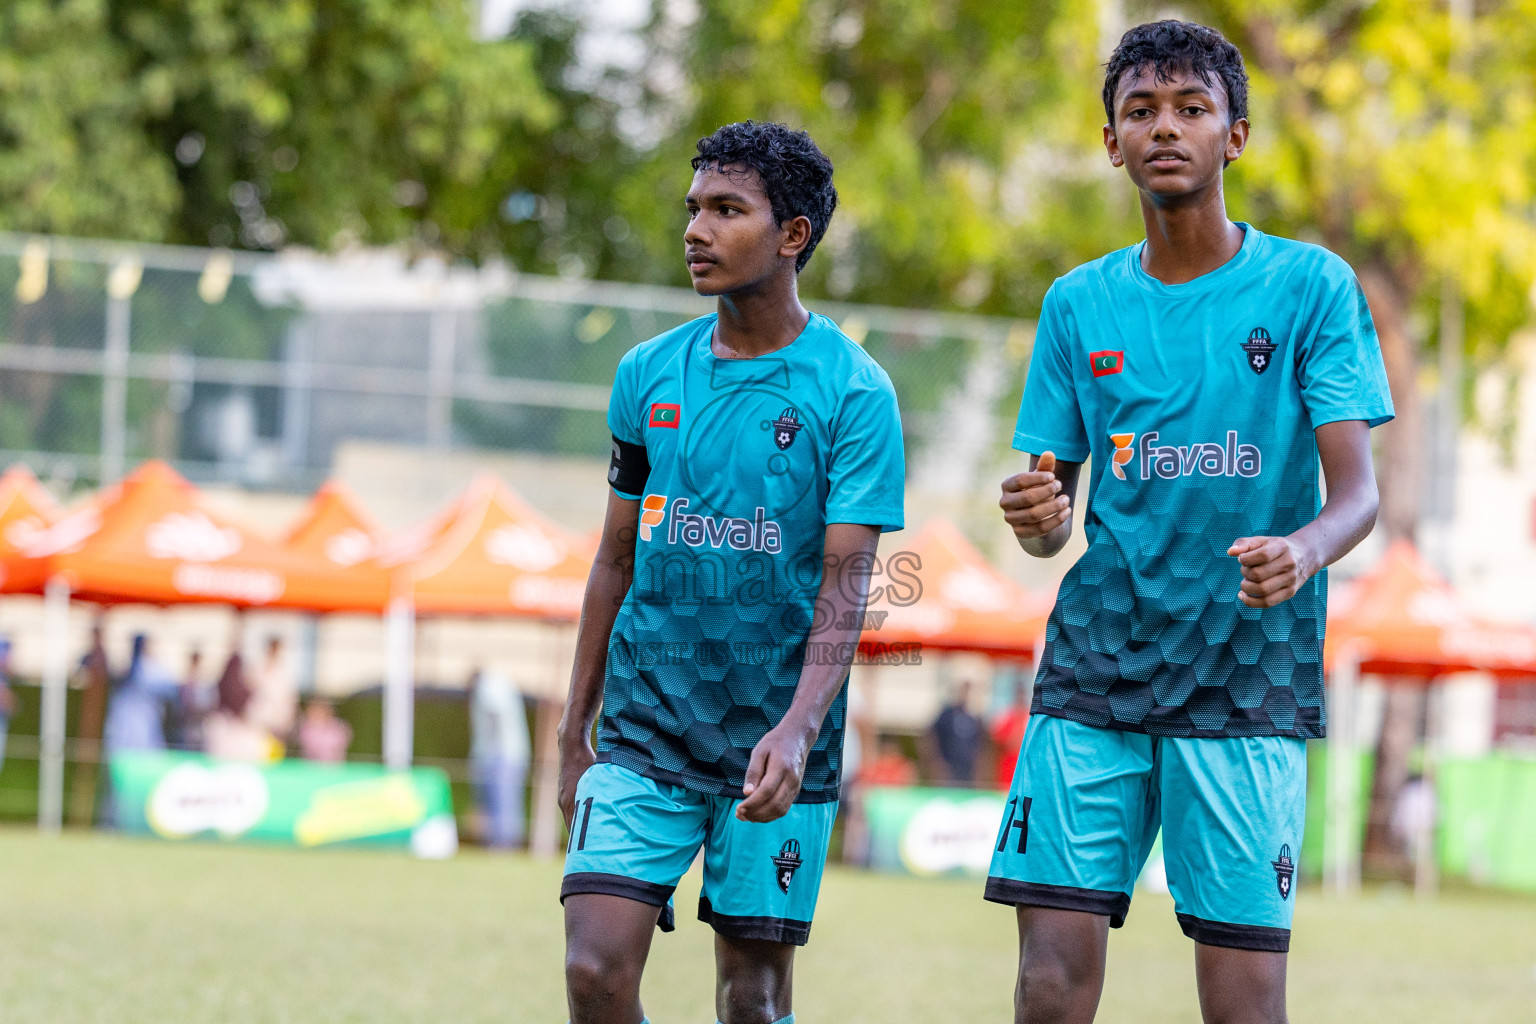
x=1171 y=48
x=796 y=174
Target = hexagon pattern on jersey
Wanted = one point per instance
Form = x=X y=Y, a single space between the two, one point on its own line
x=702 y=664
x=1167 y=648
x=707 y=650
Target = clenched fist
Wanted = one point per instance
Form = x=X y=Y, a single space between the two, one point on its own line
x=1032 y=502
x=1274 y=568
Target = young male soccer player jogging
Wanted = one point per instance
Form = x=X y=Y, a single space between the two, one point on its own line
x=1207 y=370
x=757 y=455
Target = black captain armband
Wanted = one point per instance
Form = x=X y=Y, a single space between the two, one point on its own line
x=629 y=468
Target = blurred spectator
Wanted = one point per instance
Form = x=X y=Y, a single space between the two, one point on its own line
x=192 y=705
x=857 y=738
x=7 y=696
x=500 y=752
x=136 y=709
x=232 y=693
x=227 y=732
x=956 y=735
x=275 y=694
x=1413 y=819
x=323 y=736
x=95 y=680
x=889 y=767
x=1008 y=734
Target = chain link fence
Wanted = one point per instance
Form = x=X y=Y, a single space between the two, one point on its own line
x=252 y=368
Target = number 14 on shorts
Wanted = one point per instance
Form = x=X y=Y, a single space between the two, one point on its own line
x=1012 y=824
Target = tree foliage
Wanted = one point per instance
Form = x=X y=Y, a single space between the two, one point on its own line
x=1402 y=140
x=959 y=132
x=74 y=153
x=258 y=122
x=967 y=142
x=965 y=133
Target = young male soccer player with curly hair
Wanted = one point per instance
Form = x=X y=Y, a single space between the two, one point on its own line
x=757 y=455
x=1208 y=370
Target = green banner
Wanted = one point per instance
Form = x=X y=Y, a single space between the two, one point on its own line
x=1488 y=820
x=932 y=832
x=179 y=796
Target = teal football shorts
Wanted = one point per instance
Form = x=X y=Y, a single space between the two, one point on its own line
x=1086 y=804
x=635 y=837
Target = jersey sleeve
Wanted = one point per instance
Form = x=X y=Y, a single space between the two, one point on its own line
x=867 y=469
x=1339 y=365
x=624 y=422
x=1050 y=418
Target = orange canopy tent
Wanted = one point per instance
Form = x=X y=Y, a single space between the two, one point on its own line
x=489 y=553
x=959 y=602
x=154 y=539
x=26 y=508
x=494 y=554
x=335 y=530
x=1402 y=618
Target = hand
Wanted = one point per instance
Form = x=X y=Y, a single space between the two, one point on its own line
x=1032 y=503
x=576 y=756
x=1274 y=568
x=774 y=773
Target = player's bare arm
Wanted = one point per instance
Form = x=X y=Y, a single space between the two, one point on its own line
x=1274 y=568
x=1037 y=505
x=606 y=587
x=778 y=760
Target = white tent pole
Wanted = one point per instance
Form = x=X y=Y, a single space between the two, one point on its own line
x=1340 y=858
x=544 y=830
x=399 y=683
x=1426 y=875
x=50 y=767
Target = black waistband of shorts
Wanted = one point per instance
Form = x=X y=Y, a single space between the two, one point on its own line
x=1254 y=937
x=1114 y=905
x=628 y=759
x=583 y=883
x=1094 y=709
x=768 y=929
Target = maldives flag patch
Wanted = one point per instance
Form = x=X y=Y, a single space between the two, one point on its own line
x=666 y=414
x=1106 y=363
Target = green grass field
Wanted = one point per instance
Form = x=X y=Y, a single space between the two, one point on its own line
x=98 y=929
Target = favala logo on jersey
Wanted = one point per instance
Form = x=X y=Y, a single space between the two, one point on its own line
x=653 y=512
x=1171 y=462
x=756 y=534
x=1124 y=453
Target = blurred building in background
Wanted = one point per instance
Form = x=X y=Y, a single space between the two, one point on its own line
x=253 y=369
x=259 y=376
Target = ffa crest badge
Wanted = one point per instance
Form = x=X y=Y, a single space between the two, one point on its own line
x=1285 y=869
x=1260 y=350
x=785 y=428
x=786 y=862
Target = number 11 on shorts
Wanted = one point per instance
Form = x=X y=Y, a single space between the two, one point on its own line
x=585 y=813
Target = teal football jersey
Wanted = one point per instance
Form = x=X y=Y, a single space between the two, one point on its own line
x=750 y=459
x=1197 y=403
